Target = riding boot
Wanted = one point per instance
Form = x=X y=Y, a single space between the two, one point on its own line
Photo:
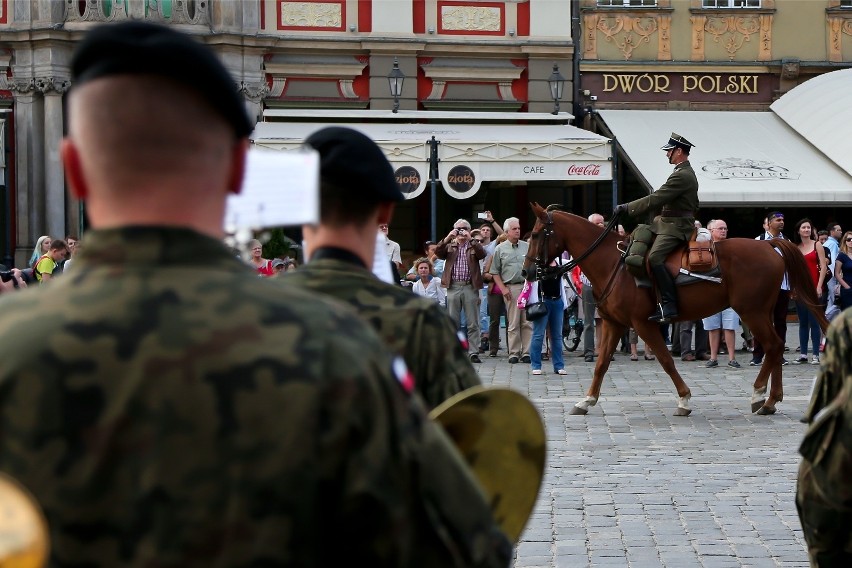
x=667 y=310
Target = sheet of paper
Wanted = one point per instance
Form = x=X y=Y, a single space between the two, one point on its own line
x=279 y=189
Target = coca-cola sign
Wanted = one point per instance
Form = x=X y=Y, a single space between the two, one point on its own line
x=408 y=179
x=461 y=179
x=584 y=170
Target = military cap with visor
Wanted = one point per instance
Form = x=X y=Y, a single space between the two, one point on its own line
x=141 y=48
x=349 y=158
x=678 y=141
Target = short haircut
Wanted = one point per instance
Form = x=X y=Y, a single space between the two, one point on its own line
x=510 y=220
x=831 y=227
x=464 y=222
x=342 y=206
x=58 y=244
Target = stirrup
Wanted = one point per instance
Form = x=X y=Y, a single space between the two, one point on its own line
x=657 y=316
x=669 y=312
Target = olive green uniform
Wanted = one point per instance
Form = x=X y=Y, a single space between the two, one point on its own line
x=679 y=197
x=414 y=327
x=824 y=492
x=166 y=407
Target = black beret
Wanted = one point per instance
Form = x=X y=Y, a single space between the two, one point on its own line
x=137 y=48
x=348 y=157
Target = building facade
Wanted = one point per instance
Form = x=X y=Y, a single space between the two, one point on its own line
x=324 y=56
x=669 y=61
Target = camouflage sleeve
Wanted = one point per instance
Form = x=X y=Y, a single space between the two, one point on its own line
x=440 y=364
x=823 y=493
x=435 y=512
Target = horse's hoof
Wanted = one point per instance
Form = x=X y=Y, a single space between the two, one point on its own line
x=766 y=410
x=683 y=411
x=755 y=406
x=576 y=411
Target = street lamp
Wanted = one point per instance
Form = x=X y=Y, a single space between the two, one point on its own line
x=395 y=80
x=557 y=84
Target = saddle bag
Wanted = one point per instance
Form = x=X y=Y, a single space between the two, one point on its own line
x=700 y=257
x=637 y=249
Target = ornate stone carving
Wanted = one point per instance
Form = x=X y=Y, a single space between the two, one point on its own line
x=16 y=85
x=627 y=32
x=51 y=85
x=664 y=47
x=590 y=51
x=838 y=26
x=255 y=92
x=176 y=12
x=732 y=32
x=790 y=69
x=470 y=18
x=311 y=14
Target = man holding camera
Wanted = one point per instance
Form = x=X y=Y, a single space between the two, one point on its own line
x=463 y=280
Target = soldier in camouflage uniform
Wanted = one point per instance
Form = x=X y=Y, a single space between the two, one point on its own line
x=824 y=492
x=358 y=191
x=168 y=408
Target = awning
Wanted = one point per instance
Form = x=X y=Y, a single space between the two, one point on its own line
x=469 y=154
x=740 y=158
x=820 y=109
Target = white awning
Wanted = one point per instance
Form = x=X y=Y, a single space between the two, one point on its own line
x=469 y=153
x=820 y=109
x=740 y=158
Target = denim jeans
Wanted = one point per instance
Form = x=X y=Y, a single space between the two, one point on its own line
x=553 y=321
x=807 y=326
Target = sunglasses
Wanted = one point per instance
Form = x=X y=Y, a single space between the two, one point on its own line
x=849 y=239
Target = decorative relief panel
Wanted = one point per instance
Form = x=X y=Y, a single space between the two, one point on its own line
x=732 y=33
x=627 y=32
x=455 y=18
x=838 y=26
x=311 y=15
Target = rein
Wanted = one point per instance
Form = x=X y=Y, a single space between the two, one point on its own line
x=549 y=272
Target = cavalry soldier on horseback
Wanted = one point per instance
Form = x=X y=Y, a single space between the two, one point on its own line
x=673 y=206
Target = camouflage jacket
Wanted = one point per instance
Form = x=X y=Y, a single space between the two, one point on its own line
x=827 y=445
x=414 y=327
x=167 y=407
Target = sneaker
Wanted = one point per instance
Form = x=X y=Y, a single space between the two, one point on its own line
x=801 y=359
x=711 y=363
x=561 y=372
x=525 y=359
x=513 y=359
x=734 y=364
x=536 y=371
x=815 y=360
x=492 y=354
x=755 y=362
x=474 y=358
x=784 y=362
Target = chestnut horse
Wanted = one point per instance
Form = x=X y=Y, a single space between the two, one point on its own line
x=752 y=271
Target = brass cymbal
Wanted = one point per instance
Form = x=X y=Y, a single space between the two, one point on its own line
x=23 y=530
x=501 y=436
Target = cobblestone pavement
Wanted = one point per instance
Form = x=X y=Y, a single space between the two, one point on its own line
x=631 y=485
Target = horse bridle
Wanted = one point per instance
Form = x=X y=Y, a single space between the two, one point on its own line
x=543 y=272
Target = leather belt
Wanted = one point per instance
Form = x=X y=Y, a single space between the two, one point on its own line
x=551 y=297
x=676 y=213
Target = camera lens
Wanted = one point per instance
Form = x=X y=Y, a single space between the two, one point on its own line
x=6 y=276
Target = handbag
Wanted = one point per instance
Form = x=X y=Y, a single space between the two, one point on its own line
x=536 y=310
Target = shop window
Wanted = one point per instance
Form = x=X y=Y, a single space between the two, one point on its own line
x=730 y=3
x=846 y=3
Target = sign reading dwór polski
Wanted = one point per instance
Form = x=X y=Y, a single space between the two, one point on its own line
x=746 y=169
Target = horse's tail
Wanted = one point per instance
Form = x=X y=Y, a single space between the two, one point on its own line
x=800 y=279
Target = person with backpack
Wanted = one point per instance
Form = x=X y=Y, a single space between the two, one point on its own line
x=46 y=265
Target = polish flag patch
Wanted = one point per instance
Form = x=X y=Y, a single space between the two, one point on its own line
x=402 y=374
x=463 y=340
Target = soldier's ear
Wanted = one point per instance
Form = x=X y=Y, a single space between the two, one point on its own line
x=77 y=185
